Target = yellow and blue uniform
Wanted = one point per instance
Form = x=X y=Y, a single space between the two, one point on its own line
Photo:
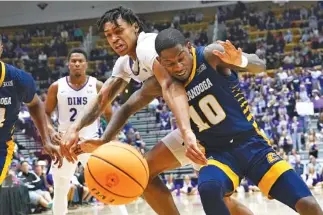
x=16 y=86
x=234 y=145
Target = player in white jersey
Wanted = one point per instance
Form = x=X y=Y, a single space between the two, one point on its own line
x=71 y=96
x=124 y=32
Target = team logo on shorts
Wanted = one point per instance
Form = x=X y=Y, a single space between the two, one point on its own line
x=272 y=157
x=112 y=180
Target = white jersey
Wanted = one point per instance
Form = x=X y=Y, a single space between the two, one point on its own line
x=146 y=55
x=71 y=102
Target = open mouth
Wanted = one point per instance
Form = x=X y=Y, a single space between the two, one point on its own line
x=120 y=48
x=182 y=73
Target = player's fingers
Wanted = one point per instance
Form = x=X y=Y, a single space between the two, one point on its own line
x=200 y=155
x=191 y=153
x=225 y=45
x=191 y=157
x=65 y=153
x=56 y=141
x=60 y=163
x=229 y=44
x=218 y=54
x=58 y=159
x=71 y=152
x=72 y=142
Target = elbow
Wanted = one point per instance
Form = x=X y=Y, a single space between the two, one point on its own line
x=261 y=64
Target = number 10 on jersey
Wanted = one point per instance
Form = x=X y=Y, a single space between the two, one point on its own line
x=212 y=111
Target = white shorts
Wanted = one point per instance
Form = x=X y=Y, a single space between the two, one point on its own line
x=175 y=144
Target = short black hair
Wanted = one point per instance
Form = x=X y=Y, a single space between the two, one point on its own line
x=169 y=38
x=120 y=12
x=22 y=162
x=77 y=50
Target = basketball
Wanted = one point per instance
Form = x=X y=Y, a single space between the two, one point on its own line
x=116 y=173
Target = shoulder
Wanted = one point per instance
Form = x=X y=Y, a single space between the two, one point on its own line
x=208 y=51
x=121 y=63
x=53 y=88
x=145 y=49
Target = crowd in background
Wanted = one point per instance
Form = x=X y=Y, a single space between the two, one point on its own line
x=276 y=101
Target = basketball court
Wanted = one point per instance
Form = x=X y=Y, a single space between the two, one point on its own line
x=192 y=206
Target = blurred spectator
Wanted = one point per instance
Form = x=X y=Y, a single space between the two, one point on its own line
x=32 y=181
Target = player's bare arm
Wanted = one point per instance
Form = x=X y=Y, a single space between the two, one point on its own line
x=108 y=110
x=136 y=102
x=174 y=94
x=1 y=47
x=109 y=91
x=50 y=105
x=37 y=112
x=226 y=55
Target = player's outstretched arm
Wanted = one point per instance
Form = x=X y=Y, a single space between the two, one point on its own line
x=175 y=96
x=107 y=113
x=110 y=89
x=37 y=112
x=50 y=105
x=136 y=102
x=226 y=55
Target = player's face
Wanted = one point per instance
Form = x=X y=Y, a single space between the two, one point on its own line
x=77 y=65
x=121 y=37
x=178 y=61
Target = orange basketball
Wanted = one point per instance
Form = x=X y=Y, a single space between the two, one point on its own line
x=116 y=173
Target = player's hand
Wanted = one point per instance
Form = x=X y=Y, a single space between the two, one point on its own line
x=56 y=138
x=54 y=152
x=193 y=152
x=69 y=140
x=87 y=146
x=231 y=55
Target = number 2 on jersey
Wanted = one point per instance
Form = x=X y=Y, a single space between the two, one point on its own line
x=74 y=112
x=211 y=109
x=2 y=116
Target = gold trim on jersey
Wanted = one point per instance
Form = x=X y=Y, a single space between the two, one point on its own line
x=246 y=111
x=9 y=156
x=193 y=69
x=3 y=72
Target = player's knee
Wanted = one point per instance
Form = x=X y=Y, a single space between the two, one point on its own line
x=308 y=205
x=211 y=190
x=62 y=182
x=153 y=169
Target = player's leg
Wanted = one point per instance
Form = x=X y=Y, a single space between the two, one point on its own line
x=276 y=179
x=6 y=155
x=62 y=177
x=217 y=180
x=169 y=154
x=235 y=207
x=116 y=209
x=156 y=194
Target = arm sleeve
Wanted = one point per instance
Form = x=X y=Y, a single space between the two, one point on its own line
x=27 y=85
x=119 y=69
